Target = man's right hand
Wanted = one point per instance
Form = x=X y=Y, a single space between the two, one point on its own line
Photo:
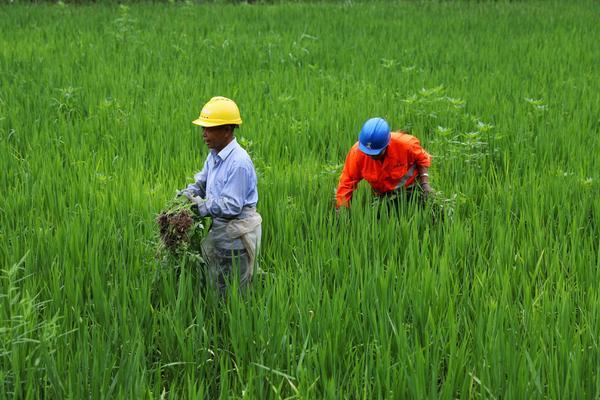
x=427 y=191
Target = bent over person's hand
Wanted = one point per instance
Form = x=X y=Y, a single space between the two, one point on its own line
x=427 y=191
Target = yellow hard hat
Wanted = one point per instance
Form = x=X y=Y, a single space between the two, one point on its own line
x=219 y=111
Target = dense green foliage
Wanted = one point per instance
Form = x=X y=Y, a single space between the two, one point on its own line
x=496 y=298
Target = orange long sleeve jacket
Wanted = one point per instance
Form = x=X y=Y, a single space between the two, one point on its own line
x=399 y=167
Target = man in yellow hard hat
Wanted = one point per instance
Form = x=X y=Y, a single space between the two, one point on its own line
x=225 y=190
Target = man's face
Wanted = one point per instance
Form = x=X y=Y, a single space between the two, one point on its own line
x=217 y=137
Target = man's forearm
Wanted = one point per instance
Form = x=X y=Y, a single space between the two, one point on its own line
x=423 y=175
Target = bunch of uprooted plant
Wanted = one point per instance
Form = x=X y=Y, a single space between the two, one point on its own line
x=181 y=231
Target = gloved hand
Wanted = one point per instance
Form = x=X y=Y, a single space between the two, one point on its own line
x=197 y=200
x=181 y=192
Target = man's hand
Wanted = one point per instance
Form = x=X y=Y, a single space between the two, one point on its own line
x=197 y=200
x=342 y=213
x=181 y=192
x=427 y=191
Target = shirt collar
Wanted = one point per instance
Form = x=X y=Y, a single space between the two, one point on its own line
x=226 y=151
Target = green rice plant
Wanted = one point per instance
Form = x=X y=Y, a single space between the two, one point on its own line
x=181 y=228
x=494 y=298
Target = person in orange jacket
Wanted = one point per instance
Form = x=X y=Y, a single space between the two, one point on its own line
x=389 y=161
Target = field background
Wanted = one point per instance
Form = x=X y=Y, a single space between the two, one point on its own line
x=495 y=297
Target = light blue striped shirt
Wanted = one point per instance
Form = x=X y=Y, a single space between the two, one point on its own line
x=227 y=182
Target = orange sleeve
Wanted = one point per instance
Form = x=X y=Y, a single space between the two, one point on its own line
x=349 y=179
x=422 y=158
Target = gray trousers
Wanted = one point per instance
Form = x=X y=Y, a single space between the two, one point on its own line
x=225 y=265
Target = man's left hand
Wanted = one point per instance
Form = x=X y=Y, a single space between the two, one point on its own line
x=427 y=190
x=197 y=200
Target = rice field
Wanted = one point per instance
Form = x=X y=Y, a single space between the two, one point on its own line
x=491 y=291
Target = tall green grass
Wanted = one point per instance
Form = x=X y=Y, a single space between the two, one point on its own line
x=495 y=298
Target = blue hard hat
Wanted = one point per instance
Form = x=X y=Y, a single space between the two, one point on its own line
x=374 y=136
